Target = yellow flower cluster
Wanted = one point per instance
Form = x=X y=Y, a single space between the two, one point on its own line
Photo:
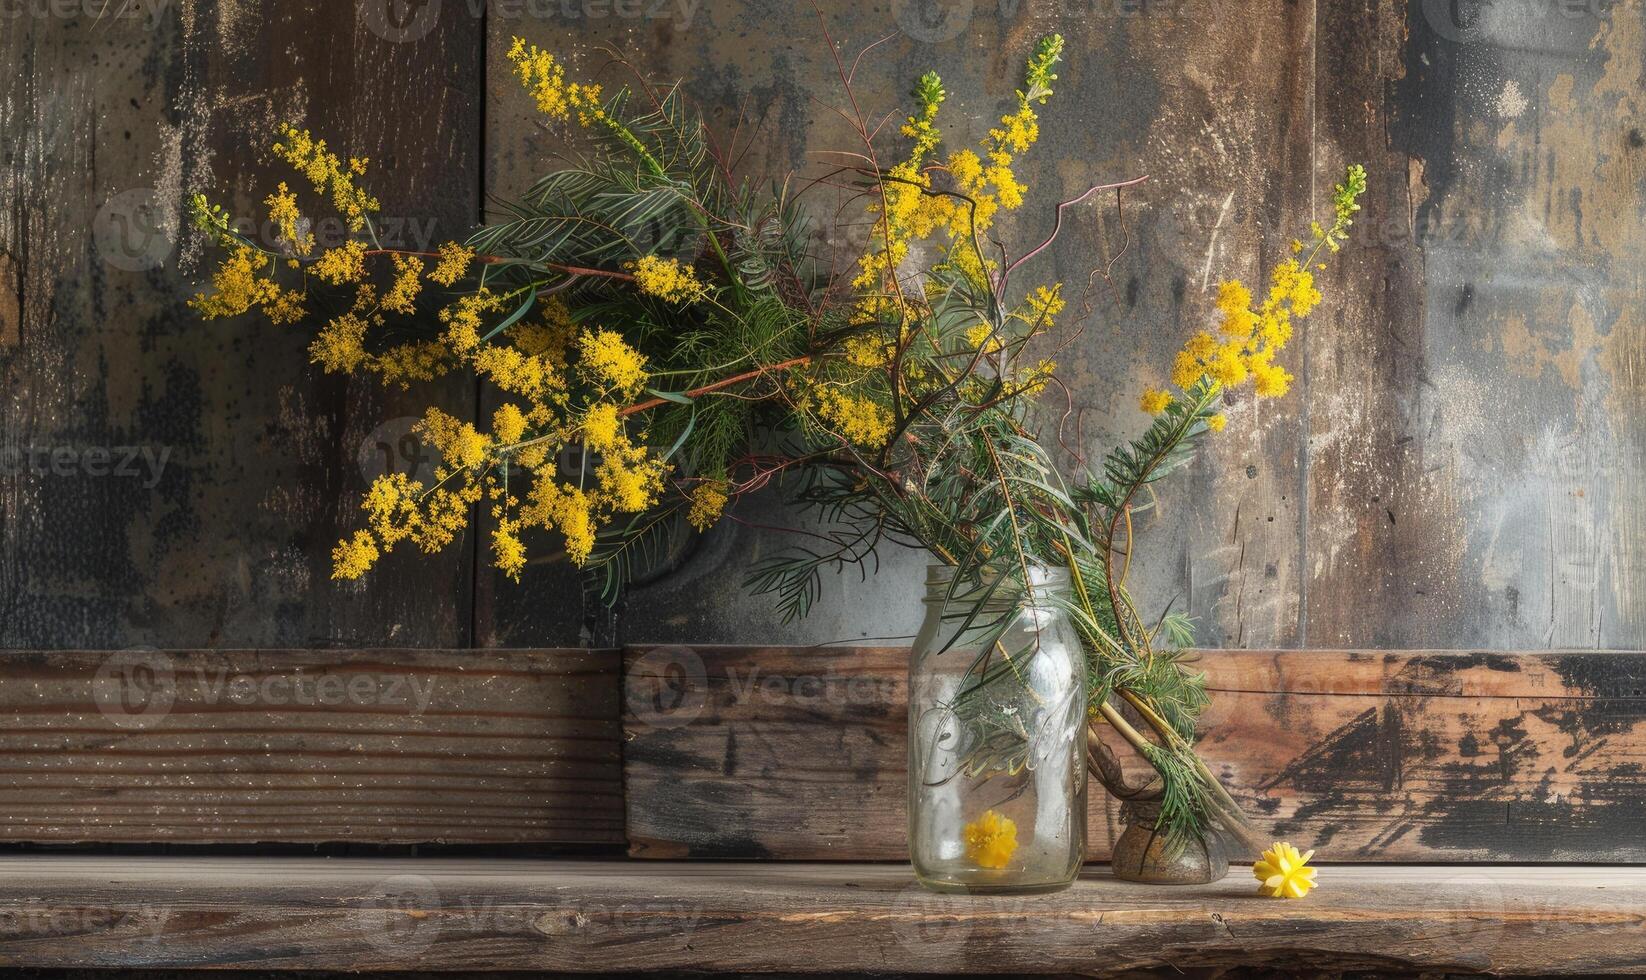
x=859 y=419
x=608 y=359
x=286 y=218
x=566 y=386
x=454 y=262
x=666 y=279
x=238 y=285
x=545 y=78
x=1248 y=338
x=408 y=282
x=991 y=840
x=328 y=174
x=533 y=362
x=708 y=502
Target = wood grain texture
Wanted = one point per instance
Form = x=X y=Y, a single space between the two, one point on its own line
x=1369 y=756
x=375 y=746
x=1474 y=434
x=250 y=461
x=297 y=914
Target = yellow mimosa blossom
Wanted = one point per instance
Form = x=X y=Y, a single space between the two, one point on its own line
x=1044 y=304
x=860 y=420
x=666 y=279
x=238 y=286
x=340 y=344
x=629 y=479
x=408 y=282
x=1217 y=422
x=286 y=307
x=284 y=215
x=463 y=319
x=983 y=336
x=458 y=442
x=508 y=424
x=867 y=351
x=1255 y=336
x=391 y=507
x=608 y=359
x=708 y=502
x=545 y=78
x=1154 y=401
x=453 y=263
x=353 y=557
x=600 y=427
x=1234 y=303
x=508 y=553
x=417 y=361
x=991 y=840
x=566 y=508
x=328 y=174
x=343 y=264
x=1281 y=873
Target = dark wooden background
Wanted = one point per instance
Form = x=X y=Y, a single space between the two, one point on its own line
x=1459 y=467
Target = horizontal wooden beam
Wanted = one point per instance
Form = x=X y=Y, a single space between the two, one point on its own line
x=758 y=752
x=613 y=917
x=377 y=746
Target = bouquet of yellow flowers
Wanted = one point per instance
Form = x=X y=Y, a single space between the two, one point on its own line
x=663 y=340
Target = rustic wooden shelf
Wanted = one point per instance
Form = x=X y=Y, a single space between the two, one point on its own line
x=606 y=916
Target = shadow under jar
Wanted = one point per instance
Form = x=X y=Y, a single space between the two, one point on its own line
x=997 y=714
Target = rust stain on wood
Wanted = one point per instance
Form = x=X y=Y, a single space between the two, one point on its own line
x=11 y=302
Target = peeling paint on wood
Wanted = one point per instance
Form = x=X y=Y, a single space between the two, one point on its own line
x=1369 y=756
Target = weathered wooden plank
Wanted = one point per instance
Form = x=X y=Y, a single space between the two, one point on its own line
x=1475 y=437
x=236 y=464
x=377 y=746
x=275 y=914
x=1369 y=756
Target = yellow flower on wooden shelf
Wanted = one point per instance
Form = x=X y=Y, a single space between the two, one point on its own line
x=1281 y=872
x=991 y=840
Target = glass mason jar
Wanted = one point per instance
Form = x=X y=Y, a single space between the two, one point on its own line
x=997 y=747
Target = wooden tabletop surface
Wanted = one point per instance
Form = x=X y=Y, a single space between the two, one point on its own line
x=607 y=916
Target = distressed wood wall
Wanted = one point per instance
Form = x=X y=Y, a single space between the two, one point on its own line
x=1458 y=467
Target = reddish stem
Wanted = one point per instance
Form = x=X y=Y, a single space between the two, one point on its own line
x=722 y=383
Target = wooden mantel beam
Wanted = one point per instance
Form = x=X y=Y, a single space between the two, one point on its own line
x=620 y=916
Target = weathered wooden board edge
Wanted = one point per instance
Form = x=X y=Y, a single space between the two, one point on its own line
x=738 y=717
x=279 y=746
x=617 y=916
